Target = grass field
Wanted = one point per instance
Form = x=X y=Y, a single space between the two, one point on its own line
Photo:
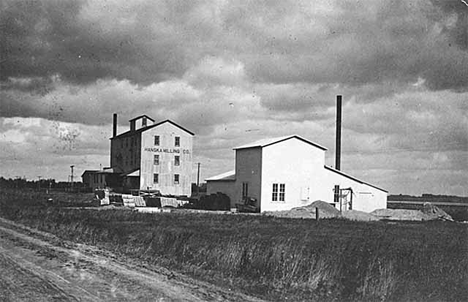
x=274 y=258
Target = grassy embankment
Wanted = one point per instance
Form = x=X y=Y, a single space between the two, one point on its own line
x=278 y=259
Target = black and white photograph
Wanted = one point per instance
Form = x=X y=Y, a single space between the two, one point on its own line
x=193 y=150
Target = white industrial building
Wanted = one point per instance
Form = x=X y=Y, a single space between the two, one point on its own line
x=287 y=172
x=153 y=156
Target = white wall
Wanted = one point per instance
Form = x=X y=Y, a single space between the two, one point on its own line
x=298 y=165
x=166 y=168
x=301 y=167
x=366 y=198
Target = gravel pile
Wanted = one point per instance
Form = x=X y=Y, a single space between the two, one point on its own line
x=435 y=212
x=429 y=212
x=325 y=211
x=399 y=214
x=359 y=216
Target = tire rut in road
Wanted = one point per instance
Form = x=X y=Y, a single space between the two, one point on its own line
x=93 y=274
x=22 y=283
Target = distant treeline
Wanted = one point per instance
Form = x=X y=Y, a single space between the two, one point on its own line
x=43 y=183
x=428 y=198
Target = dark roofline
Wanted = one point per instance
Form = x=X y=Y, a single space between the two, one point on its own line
x=138 y=117
x=107 y=172
x=222 y=179
x=179 y=126
x=98 y=172
x=129 y=132
x=285 y=139
x=88 y=171
x=299 y=138
x=354 y=178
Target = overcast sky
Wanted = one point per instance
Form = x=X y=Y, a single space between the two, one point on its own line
x=238 y=71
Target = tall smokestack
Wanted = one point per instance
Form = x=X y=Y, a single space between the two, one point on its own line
x=338 y=133
x=114 y=133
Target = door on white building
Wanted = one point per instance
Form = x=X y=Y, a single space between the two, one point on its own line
x=346 y=199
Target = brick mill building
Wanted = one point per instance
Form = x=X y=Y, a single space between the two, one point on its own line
x=153 y=156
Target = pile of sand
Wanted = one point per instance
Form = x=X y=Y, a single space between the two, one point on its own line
x=435 y=212
x=359 y=216
x=429 y=212
x=400 y=214
x=325 y=211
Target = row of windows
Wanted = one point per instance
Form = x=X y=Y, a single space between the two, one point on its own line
x=128 y=142
x=176 y=141
x=278 y=195
x=279 y=191
x=156 y=178
x=131 y=160
x=176 y=160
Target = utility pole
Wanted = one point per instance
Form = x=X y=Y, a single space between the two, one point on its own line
x=39 y=182
x=198 y=179
x=71 y=177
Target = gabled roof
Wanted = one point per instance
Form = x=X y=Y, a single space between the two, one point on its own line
x=353 y=178
x=226 y=176
x=138 y=117
x=103 y=171
x=89 y=171
x=130 y=133
x=271 y=141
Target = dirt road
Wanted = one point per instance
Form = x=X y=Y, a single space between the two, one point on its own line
x=37 y=266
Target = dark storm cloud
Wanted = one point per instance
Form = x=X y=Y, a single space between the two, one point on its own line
x=361 y=43
x=458 y=8
x=345 y=42
x=36 y=85
x=47 y=38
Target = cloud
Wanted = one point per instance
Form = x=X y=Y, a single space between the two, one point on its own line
x=414 y=120
x=213 y=91
x=85 y=41
x=35 y=146
x=234 y=72
x=145 y=42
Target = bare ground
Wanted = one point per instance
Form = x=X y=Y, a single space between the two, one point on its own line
x=37 y=266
